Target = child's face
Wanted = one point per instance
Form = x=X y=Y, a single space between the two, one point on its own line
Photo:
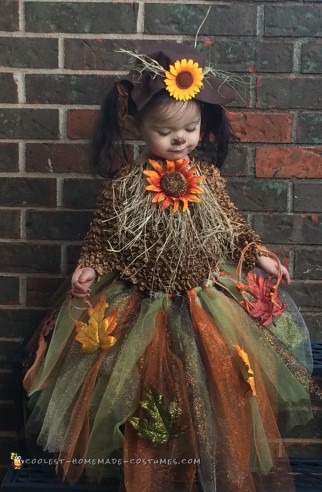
x=171 y=131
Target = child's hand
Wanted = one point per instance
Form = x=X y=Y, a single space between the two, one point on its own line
x=271 y=267
x=82 y=280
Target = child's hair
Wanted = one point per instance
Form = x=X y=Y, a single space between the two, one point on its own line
x=109 y=148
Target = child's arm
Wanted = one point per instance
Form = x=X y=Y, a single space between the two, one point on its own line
x=82 y=280
x=95 y=259
x=271 y=267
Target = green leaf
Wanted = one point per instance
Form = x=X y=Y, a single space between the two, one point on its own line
x=162 y=421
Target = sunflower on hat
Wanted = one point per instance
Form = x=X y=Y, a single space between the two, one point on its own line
x=183 y=80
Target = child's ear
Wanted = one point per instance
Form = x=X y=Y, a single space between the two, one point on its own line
x=130 y=127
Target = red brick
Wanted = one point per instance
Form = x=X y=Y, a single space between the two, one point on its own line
x=22 y=192
x=293 y=162
x=58 y=158
x=8 y=88
x=27 y=257
x=57 y=225
x=262 y=127
x=9 y=290
x=9 y=157
x=236 y=162
x=40 y=290
x=81 y=123
x=256 y=194
x=308 y=263
x=289 y=228
x=73 y=254
x=9 y=15
x=81 y=193
x=10 y=224
x=18 y=323
x=306 y=294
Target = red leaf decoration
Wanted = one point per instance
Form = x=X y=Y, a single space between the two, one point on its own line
x=261 y=298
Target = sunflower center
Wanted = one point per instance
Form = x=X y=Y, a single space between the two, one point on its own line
x=184 y=80
x=173 y=184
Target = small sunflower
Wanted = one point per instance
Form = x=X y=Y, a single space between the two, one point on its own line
x=184 y=79
x=174 y=184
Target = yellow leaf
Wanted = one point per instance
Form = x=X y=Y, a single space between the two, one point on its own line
x=250 y=380
x=95 y=333
x=244 y=356
x=251 y=383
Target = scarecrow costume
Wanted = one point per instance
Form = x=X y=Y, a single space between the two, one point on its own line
x=175 y=370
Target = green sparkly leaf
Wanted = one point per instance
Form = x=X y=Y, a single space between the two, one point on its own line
x=162 y=421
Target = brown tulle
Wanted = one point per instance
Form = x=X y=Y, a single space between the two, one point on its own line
x=228 y=395
x=162 y=370
x=77 y=432
x=129 y=313
x=56 y=369
x=33 y=370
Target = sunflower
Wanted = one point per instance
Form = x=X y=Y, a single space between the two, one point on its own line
x=174 y=184
x=184 y=79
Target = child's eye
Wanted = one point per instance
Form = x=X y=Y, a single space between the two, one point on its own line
x=163 y=133
x=190 y=130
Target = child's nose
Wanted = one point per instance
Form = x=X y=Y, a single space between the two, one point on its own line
x=179 y=140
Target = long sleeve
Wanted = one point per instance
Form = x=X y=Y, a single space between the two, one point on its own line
x=142 y=243
x=243 y=233
x=95 y=252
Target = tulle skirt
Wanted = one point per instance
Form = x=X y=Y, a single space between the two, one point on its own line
x=167 y=390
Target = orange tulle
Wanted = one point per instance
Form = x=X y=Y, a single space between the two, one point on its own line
x=76 y=437
x=162 y=370
x=33 y=370
x=231 y=397
x=227 y=393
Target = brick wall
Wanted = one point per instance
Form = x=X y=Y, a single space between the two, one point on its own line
x=57 y=59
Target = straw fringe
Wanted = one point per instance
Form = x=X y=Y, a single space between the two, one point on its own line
x=204 y=230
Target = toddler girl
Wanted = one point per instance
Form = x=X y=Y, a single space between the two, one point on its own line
x=169 y=364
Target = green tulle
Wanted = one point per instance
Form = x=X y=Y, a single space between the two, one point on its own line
x=121 y=395
x=116 y=395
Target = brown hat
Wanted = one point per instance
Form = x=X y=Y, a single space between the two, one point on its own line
x=187 y=76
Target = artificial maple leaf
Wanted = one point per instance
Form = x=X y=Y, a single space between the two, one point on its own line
x=162 y=422
x=251 y=382
x=244 y=357
x=95 y=333
x=265 y=303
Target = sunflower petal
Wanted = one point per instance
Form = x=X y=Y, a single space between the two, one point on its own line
x=200 y=178
x=195 y=189
x=193 y=198
x=154 y=181
x=175 y=205
x=152 y=174
x=157 y=166
x=170 y=166
x=167 y=202
x=158 y=197
x=153 y=188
